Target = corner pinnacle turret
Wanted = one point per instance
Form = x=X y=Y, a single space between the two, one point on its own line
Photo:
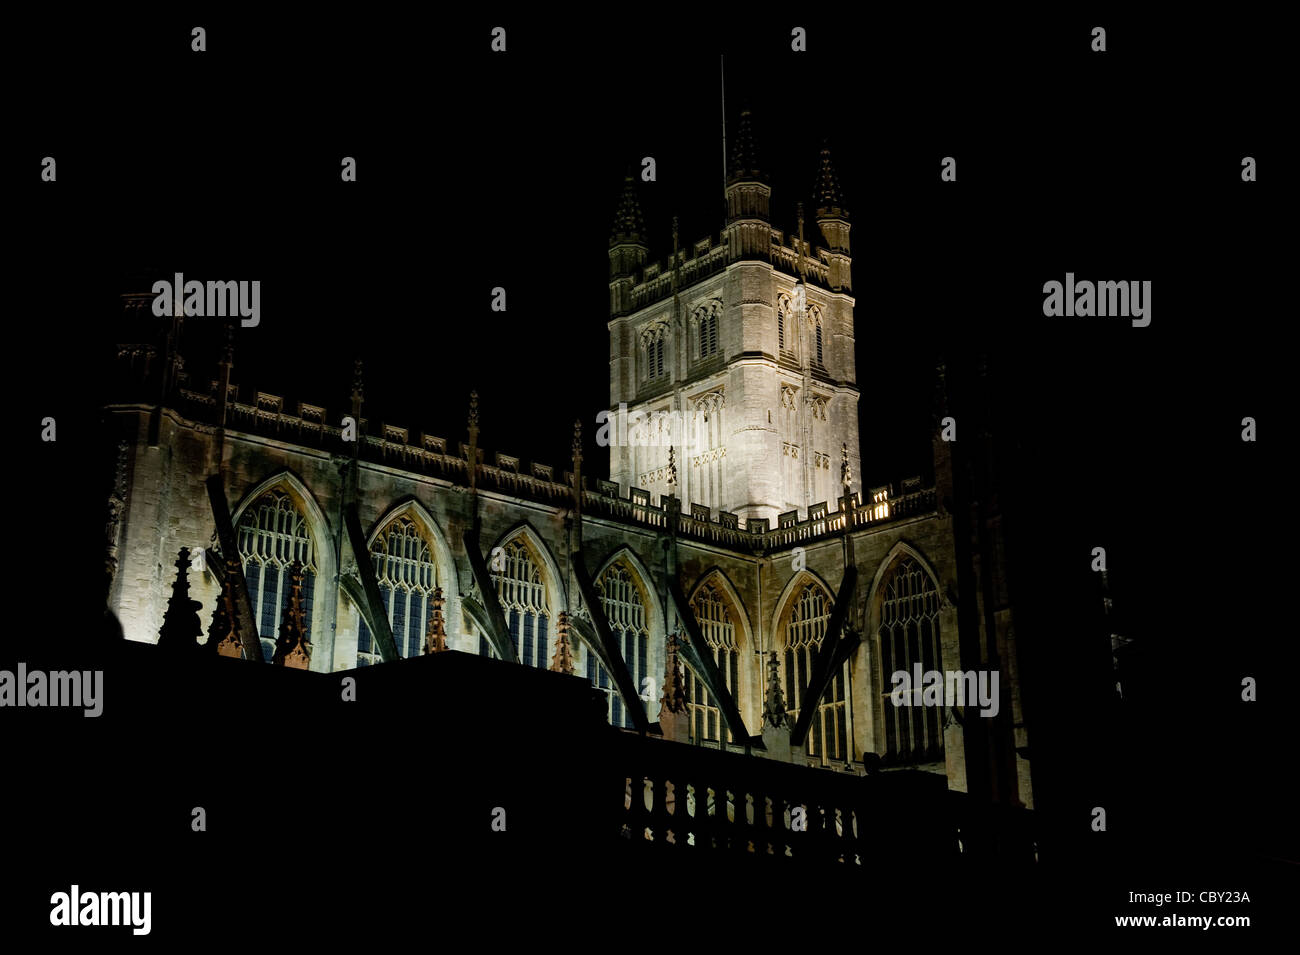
x=749 y=199
x=627 y=248
x=743 y=162
x=830 y=201
x=833 y=220
x=629 y=224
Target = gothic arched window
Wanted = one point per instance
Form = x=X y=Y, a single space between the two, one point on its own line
x=809 y=617
x=817 y=317
x=272 y=535
x=708 y=332
x=909 y=634
x=719 y=634
x=407 y=576
x=654 y=345
x=791 y=447
x=785 y=328
x=625 y=610
x=525 y=602
x=706 y=450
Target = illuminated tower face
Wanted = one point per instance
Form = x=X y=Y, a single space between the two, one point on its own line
x=739 y=353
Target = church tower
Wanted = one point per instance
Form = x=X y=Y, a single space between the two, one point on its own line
x=737 y=353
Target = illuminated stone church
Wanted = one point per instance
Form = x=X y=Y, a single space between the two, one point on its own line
x=731 y=585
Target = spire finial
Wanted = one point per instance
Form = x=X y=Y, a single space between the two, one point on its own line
x=830 y=202
x=577 y=472
x=846 y=470
x=562 y=660
x=803 y=275
x=292 y=648
x=629 y=224
x=940 y=390
x=774 y=713
x=744 y=156
x=674 y=696
x=181 y=627
x=676 y=255
x=672 y=466
x=435 y=638
x=223 y=637
x=472 y=462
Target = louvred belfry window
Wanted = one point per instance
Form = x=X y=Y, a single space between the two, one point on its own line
x=654 y=348
x=787 y=326
x=708 y=334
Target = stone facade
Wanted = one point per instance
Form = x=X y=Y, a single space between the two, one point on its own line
x=759 y=546
x=748 y=343
x=755 y=570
